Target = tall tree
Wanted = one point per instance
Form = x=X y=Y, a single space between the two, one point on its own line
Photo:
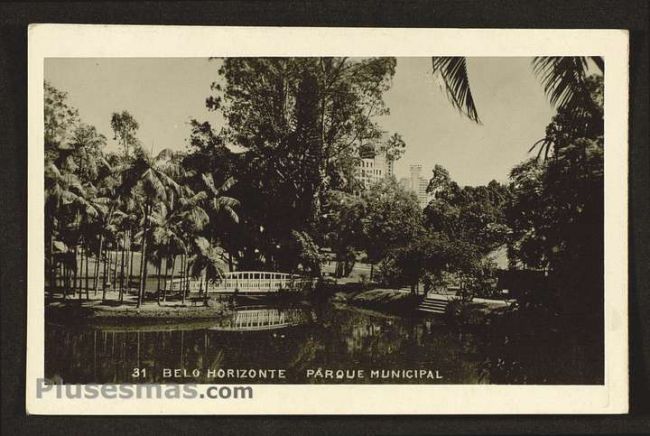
x=301 y=122
x=343 y=228
x=392 y=219
x=125 y=129
x=153 y=178
x=472 y=214
x=60 y=120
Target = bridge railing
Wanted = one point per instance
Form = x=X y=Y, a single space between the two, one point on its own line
x=247 y=281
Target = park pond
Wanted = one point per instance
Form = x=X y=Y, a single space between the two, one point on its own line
x=250 y=344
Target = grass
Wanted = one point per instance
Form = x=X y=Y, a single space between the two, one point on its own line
x=95 y=310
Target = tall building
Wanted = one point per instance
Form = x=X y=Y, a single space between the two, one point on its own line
x=371 y=170
x=418 y=184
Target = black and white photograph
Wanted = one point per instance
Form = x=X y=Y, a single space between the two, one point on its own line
x=323 y=220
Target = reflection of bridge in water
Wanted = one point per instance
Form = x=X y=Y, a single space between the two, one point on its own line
x=248 y=282
x=258 y=319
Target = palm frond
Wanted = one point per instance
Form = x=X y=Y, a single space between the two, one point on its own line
x=543 y=145
x=563 y=79
x=194 y=200
x=225 y=202
x=453 y=72
x=169 y=182
x=229 y=183
x=209 y=182
x=232 y=214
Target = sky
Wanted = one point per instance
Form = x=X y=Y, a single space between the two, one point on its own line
x=164 y=94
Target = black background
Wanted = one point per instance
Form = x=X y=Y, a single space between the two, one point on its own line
x=14 y=18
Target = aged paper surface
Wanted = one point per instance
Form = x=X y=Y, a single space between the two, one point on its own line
x=343 y=229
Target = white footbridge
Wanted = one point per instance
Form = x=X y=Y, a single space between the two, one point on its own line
x=247 y=282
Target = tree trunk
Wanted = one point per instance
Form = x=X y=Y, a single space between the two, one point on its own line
x=109 y=266
x=122 y=277
x=180 y=273
x=131 y=256
x=165 y=274
x=205 y=291
x=83 y=256
x=105 y=275
x=52 y=260
x=122 y=270
x=68 y=280
x=87 y=285
x=108 y=263
x=158 y=281
x=75 y=275
x=98 y=261
x=67 y=284
x=158 y=278
x=171 y=279
x=114 y=281
x=64 y=274
x=80 y=272
x=127 y=253
x=185 y=283
x=87 y=275
x=143 y=260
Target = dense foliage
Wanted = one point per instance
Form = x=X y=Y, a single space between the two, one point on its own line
x=276 y=186
x=557 y=212
x=301 y=123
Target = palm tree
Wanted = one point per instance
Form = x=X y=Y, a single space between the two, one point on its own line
x=153 y=178
x=191 y=219
x=131 y=210
x=220 y=205
x=69 y=206
x=61 y=190
x=87 y=214
x=106 y=225
x=563 y=79
x=168 y=237
x=204 y=264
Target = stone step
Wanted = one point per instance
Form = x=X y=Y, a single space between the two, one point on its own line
x=431 y=310
x=432 y=305
x=435 y=303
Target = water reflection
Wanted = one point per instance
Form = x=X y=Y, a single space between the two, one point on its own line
x=295 y=339
x=256 y=318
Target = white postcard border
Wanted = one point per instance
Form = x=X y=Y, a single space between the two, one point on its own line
x=64 y=40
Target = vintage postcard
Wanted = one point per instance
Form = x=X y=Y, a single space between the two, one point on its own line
x=232 y=220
